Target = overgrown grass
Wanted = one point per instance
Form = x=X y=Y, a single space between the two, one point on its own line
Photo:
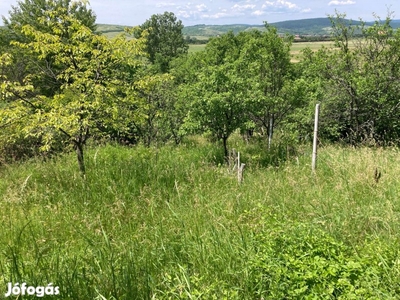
x=196 y=48
x=295 y=50
x=173 y=223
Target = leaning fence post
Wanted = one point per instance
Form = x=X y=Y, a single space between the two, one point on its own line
x=240 y=169
x=314 y=153
x=270 y=133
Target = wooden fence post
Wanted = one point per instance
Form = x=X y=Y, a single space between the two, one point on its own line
x=240 y=169
x=271 y=132
x=315 y=142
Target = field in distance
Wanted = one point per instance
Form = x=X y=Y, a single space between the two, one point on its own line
x=295 y=49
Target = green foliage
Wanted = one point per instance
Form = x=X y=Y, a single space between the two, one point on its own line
x=166 y=223
x=165 y=40
x=32 y=76
x=158 y=116
x=92 y=73
x=265 y=65
x=218 y=92
x=359 y=83
x=30 y=12
x=300 y=261
x=33 y=13
x=244 y=81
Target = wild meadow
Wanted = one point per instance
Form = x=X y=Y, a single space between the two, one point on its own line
x=114 y=182
x=174 y=223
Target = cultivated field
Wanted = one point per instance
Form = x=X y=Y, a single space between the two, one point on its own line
x=315 y=46
x=295 y=50
x=173 y=223
x=196 y=48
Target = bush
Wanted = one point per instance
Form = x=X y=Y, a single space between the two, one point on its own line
x=297 y=261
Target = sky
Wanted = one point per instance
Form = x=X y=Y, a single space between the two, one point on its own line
x=219 y=12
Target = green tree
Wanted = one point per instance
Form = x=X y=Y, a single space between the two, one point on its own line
x=31 y=12
x=93 y=88
x=35 y=13
x=266 y=67
x=361 y=82
x=156 y=108
x=165 y=40
x=218 y=95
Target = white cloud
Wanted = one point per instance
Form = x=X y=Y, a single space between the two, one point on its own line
x=256 y=8
x=280 y=4
x=244 y=7
x=216 y=16
x=166 y=4
x=184 y=14
x=336 y=2
x=258 y=13
x=201 y=11
x=202 y=8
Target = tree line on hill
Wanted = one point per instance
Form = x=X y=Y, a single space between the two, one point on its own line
x=315 y=28
x=62 y=84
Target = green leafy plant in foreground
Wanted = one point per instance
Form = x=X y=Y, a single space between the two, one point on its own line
x=301 y=261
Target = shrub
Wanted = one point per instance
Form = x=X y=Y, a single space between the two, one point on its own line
x=298 y=261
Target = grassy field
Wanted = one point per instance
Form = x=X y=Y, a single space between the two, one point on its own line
x=295 y=50
x=315 y=46
x=112 y=31
x=173 y=223
x=196 y=48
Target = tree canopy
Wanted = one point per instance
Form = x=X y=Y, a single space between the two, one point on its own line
x=32 y=12
x=92 y=72
x=165 y=40
x=62 y=83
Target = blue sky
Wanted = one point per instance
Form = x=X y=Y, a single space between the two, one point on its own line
x=191 y=12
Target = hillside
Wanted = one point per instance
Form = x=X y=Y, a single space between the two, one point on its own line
x=316 y=26
x=203 y=30
x=110 y=30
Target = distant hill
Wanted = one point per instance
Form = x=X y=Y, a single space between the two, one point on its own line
x=110 y=30
x=202 y=30
x=316 y=26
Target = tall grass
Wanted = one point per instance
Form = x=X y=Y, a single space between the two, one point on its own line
x=173 y=223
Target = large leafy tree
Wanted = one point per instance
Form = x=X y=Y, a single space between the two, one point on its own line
x=93 y=94
x=30 y=12
x=35 y=13
x=241 y=81
x=156 y=109
x=265 y=66
x=218 y=94
x=361 y=82
x=165 y=40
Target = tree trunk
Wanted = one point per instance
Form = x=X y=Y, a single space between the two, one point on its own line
x=79 y=155
x=270 y=131
x=78 y=143
x=224 y=140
